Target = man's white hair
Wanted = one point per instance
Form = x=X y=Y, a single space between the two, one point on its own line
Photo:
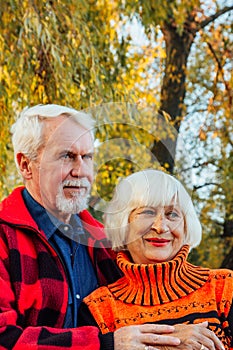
x=27 y=130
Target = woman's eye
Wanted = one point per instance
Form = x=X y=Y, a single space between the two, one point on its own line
x=148 y=212
x=173 y=214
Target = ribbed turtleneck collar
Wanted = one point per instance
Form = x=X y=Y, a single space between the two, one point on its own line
x=155 y=284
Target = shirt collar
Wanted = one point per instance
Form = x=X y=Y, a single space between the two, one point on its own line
x=46 y=221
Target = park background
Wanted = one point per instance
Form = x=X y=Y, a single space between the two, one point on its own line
x=157 y=75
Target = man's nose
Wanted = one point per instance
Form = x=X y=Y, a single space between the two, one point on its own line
x=78 y=167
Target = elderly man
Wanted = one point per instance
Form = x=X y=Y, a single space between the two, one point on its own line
x=52 y=251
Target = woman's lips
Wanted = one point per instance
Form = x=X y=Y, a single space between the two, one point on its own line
x=158 y=242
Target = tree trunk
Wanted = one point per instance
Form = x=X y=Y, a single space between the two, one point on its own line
x=228 y=261
x=227 y=233
x=173 y=87
x=228 y=220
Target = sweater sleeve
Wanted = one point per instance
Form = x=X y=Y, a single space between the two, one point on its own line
x=224 y=298
x=38 y=338
x=86 y=318
x=14 y=337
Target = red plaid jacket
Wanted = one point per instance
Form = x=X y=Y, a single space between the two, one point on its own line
x=33 y=284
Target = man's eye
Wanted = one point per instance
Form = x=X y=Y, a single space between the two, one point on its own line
x=68 y=155
x=88 y=156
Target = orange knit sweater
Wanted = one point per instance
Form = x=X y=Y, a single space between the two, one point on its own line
x=167 y=293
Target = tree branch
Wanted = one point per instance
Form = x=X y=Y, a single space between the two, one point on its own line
x=212 y=18
x=228 y=89
x=199 y=165
x=205 y=184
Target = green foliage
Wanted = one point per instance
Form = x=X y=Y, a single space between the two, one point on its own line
x=65 y=52
x=125 y=134
x=54 y=52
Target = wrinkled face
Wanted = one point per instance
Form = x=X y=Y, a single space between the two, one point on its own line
x=155 y=234
x=63 y=173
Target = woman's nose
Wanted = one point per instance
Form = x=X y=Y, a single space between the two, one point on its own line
x=160 y=223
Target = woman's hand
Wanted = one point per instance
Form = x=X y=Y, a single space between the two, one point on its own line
x=162 y=337
x=196 y=337
x=138 y=337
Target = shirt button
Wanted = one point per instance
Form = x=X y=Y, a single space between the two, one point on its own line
x=77 y=296
x=66 y=228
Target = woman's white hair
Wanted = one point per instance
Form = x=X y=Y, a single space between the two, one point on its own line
x=148 y=188
x=27 y=130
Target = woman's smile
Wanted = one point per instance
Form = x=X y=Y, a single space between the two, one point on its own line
x=155 y=234
x=158 y=242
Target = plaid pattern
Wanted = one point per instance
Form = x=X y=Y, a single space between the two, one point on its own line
x=33 y=284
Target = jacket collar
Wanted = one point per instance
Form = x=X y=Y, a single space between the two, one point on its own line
x=14 y=211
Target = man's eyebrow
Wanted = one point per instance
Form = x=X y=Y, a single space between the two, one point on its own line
x=70 y=151
x=65 y=150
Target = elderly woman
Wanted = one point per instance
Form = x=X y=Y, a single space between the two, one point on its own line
x=152 y=224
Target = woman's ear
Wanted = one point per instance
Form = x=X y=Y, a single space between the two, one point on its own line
x=24 y=164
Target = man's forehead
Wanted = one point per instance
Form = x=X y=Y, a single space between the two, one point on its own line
x=66 y=131
x=62 y=123
x=71 y=146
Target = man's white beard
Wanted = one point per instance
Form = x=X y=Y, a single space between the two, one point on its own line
x=78 y=202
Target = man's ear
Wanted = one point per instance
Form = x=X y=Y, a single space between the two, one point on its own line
x=24 y=166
